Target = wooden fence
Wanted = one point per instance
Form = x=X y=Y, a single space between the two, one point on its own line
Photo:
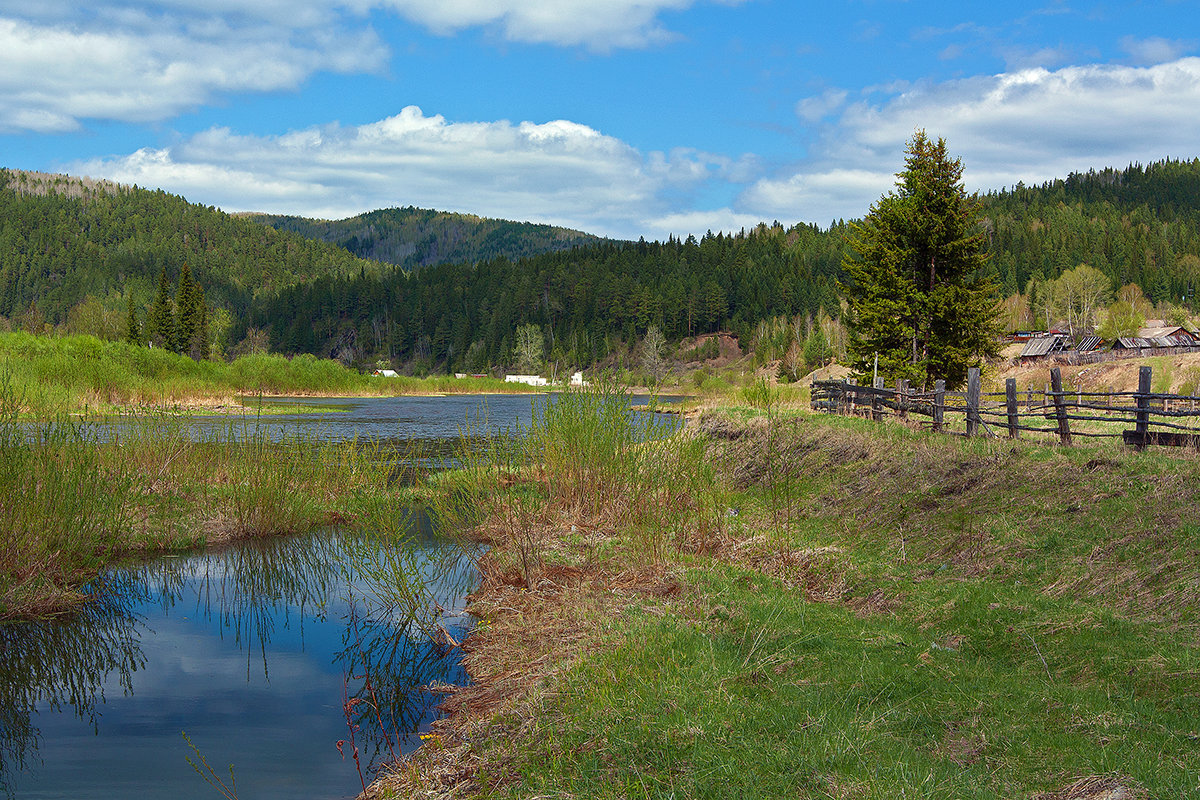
x=1156 y=418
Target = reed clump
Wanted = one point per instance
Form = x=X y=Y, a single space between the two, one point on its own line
x=77 y=494
x=75 y=373
x=584 y=462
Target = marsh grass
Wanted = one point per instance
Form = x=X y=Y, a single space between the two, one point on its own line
x=78 y=494
x=583 y=460
x=63 y=507
x=76 y=373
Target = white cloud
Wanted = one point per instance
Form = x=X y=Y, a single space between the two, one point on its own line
x=598 y=24
x=814 y=109
x=1155 y=50
x=54 y=76
x=1028 y=125
x=145 y=60
x=559 y=171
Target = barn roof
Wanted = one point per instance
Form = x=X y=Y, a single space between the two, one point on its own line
x=1042 y=346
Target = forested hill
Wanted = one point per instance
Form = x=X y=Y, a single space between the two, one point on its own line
x=1138 y=225
x=586 y=301
x=63 y=239
x=414 y=237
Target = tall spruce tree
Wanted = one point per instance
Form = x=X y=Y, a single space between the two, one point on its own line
x=200 y=345
x=919 y=296
x=160 y=324
x=187 y=315
x=133 y=331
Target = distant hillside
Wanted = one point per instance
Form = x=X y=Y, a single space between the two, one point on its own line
x=1140 y=225
x=1137 y=225
x=415 y=237
x=63 y=239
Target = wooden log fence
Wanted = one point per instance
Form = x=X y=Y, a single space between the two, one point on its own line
x=1156 y=418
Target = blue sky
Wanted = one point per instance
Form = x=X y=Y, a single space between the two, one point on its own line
x=619 y=117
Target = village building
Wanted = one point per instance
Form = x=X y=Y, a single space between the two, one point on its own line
x=1158 y=337
x=1043 y=346
x=529 y=380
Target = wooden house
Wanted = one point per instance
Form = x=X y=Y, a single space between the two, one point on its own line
x=1159 y=337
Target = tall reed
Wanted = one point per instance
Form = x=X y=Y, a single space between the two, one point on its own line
x=63 y=506
x=586 y=458
x=76 y=495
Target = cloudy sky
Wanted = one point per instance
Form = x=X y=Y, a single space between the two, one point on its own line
x=619 y=117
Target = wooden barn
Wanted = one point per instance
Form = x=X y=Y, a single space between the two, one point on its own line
x=1164 y=337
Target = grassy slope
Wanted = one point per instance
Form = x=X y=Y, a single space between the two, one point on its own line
x=889 y=613
x=72 y=372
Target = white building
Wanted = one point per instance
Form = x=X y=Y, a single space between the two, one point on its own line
x=530 y=380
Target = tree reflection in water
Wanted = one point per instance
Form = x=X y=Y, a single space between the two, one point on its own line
x=61 y=665
x=248 y=594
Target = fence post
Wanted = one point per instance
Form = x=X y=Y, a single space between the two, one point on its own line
x=901 y=385
x=1143 y=406
x=877 y=400
x=1010 y=400
x=939 y=404
x=972 y=401
x=1060 y=407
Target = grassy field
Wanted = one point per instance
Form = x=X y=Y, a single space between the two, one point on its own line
x=73 y=373
x=793 y=606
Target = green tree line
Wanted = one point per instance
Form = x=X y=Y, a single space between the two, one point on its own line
x=72 y=253
x=586 y=301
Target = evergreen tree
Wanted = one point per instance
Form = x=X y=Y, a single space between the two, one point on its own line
x=816 y=348
x=160 y=324
x=187 y=312
x=918 y=292
x=200 y=348
x=133 y=331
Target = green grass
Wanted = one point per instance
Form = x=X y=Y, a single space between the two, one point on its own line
x=866 y=611
x=73 y=373
x=766 y=696
x=73 y=502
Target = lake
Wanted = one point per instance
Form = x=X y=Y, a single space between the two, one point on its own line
x=252 y=651
x=268 y=655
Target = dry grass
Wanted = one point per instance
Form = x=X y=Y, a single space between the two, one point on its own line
x=1097 y=787
x=531 y=631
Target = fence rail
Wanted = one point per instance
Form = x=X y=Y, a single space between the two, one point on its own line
x=1156 y=418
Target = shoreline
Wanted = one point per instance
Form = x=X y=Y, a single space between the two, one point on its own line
x=578 y=684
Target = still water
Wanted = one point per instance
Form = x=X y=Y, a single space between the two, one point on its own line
x=253 y=651
x=268 y=655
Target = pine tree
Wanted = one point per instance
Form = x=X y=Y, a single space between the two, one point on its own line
x=918 y=291
x=133 y=331
x=200 y=351
x=160 y=324
x=187 y=314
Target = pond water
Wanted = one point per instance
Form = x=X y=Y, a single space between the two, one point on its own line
x=252 y=651
x=266 y=654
